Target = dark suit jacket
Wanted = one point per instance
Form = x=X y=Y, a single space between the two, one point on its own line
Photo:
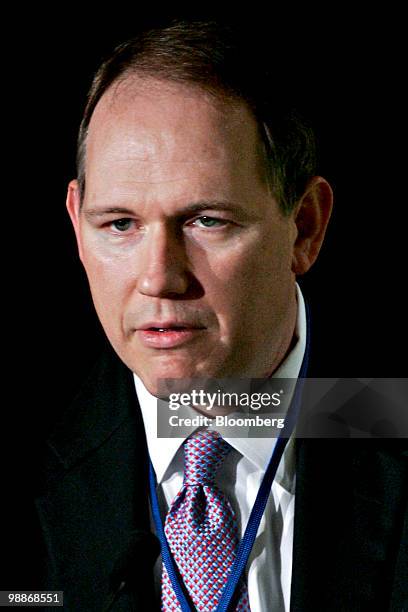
x=350 y=532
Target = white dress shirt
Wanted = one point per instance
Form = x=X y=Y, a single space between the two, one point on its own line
x=269 y=568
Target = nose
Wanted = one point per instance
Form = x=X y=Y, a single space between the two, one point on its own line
x=164 y=264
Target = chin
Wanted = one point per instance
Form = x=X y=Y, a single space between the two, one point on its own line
x=172 y=377
x=163 y=387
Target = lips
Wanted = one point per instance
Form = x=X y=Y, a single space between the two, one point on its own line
x=168 y=334
x=168 y=325
x=166 y=329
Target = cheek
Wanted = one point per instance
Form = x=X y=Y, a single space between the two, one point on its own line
x=248 y=285
x=109 y=283
x=245 y=268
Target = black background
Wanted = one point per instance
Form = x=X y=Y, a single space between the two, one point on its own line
x=349 y=70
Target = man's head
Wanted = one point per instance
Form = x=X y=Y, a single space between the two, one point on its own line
x=190 y=236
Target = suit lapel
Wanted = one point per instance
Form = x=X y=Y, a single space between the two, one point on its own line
x=94 y=493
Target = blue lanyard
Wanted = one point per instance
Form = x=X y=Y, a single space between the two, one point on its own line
x=246 y=544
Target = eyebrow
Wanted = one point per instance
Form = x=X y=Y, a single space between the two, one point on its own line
x=109 y=210
x=194 y=207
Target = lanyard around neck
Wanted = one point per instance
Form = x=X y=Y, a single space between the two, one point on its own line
x=246 y=544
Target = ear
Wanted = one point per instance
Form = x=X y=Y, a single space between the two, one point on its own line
x=312 y=215
x=73 y=204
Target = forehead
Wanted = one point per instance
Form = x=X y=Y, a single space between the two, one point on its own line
x=152 y=128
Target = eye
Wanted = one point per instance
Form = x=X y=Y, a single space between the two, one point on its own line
x=122 y=225
x=210 y=222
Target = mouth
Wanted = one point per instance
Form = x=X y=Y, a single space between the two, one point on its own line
x=167 y=335
x=167 y=329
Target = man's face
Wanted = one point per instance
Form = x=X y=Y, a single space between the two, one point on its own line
x=187 y=253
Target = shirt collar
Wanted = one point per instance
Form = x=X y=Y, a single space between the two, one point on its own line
x=257 y=450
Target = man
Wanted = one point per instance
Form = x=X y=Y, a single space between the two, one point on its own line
x=195 y=208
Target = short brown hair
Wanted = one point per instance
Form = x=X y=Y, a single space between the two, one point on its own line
x=218 y=59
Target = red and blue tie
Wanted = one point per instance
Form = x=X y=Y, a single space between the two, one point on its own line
x=201 y=528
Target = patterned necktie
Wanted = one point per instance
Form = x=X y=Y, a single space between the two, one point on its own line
x=201 y=529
